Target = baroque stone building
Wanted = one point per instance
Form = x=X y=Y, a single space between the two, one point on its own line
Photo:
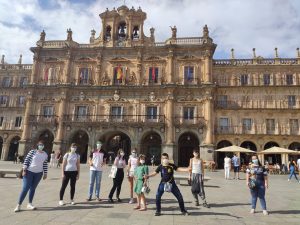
x=129 y=91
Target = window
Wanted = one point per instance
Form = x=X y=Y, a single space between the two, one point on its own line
x=247 y=124
x=291 y=101
x=119 y=74
x=151 y=113
x=1 y=120
x=188 y=113
x=84 y=75
x=3 y=100
x=18 y=121
x=188 y=74
x=294 y=126
x=222 y=101
x=153 y=75
x=21 y=100
x=6 y=82
x=81 y=112
x=267 y=79
x=48 y=111
x=116 y=112
x=224 y=123
x=289 y=79
x=270 y=125
x=23 y=81
x=244 y=79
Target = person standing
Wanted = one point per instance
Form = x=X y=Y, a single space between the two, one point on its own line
x=292 y=170
x=139 y=173
x=120 y=163
x=236 y=166
x=70 y=171
x=97 y=160
x=298 y=164
x=197 y=178
x=52 y=159
x=58 y=158
x=227 y=167
x=168 y=183
x=132 y=164
x=16 y=156
x=34 y=168
x=259 y=175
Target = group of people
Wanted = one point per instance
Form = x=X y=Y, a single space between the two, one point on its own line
x=55 y=159
x=235 y=162
x=35 y=168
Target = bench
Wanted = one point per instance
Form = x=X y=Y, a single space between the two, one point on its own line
x=179 y=177
x=3 y=172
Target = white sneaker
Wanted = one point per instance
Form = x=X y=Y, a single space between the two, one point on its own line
x=131 y=201
x=18 y=208
x=265 y=212
x=30 y=206
x=288 y=179
x=61 y=203
x=252 y=211
x=72 y=202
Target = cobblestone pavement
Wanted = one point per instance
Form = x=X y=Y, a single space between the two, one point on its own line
x=229 y=200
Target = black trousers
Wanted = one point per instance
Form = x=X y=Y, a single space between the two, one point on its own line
x=69 y=175
x=118 y=180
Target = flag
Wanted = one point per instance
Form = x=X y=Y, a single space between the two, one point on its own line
x=119 y=73
x=46 y=75
x=153 y=74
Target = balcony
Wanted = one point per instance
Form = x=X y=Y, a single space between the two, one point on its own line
x=43 y=119
x=195 y=121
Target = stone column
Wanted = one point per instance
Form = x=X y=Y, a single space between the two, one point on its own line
x=33 y=78
x=98 y=71
x=169 y=144
x=207 y=68
x=5 y=149
x=66 y=76
x=60 y=129
x=170 y=67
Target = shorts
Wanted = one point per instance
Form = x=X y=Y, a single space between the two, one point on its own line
x=131 y=174
x=236 y=169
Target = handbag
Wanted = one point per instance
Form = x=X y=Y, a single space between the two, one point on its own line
x=146 y=189
x=252 y=183
x=168 y=187
x=113 y=172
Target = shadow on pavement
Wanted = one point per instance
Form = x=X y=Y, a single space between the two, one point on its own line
x=214 y=214
x=285 y=212
x=216 y=205
x=62 y=208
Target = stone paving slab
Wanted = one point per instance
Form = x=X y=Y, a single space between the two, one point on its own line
x=229 y=200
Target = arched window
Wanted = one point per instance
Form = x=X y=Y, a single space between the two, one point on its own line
x=122 y=30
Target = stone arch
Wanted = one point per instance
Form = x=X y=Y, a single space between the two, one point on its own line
x=47 y=137
x=187 y=142
x=246 y=157
x=221 y=155
x=272 y=158
x=294 y=146
x=81 y=138
x=13 y=147
x=151 y=145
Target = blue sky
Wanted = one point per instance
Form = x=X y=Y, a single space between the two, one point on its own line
x=238 y=24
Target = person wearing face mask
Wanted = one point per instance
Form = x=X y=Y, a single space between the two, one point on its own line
x=97 y=160
x=70 y=171
x=259 y=175
x=197 y=178
x=139 y=173
x=132 y=164
x=168 y=183
x=120 y=163
x=34 y=168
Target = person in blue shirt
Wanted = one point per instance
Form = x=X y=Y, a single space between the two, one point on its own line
x=236 y=166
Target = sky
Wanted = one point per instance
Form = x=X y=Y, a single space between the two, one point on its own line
x=239 y=24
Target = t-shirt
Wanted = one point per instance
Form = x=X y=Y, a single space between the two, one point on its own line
x=227 y=162
x=52 y=156
x=236 y=161
x=120 y=163
x=97 y=159
x=167 y=172
x=298 y=163
x=133 y=163
x=37 y=163
x=71 y=161
x=258 y=172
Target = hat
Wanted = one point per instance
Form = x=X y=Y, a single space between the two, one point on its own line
x=99 y=142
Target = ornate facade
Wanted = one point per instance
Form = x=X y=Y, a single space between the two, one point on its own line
x=127 y=90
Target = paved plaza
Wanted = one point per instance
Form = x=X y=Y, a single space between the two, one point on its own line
x=229 y=200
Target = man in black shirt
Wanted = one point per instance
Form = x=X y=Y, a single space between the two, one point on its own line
x=167 y=183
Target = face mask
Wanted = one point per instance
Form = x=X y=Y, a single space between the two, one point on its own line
x=142 y=161
x=40 y=147
x=133 y=154
x=165 y=161
x=73 y=149
x=122 y=154
x=196 y=154
x=99 y=146
x=255 y=161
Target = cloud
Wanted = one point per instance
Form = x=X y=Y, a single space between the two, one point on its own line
x=238 y=24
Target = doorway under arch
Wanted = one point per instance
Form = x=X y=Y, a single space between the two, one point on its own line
x=221 y=155
x=272 y=158
x=47 y=137
x=187 y=142
x=13 y=148
x=151 y=146
x=1 y=146
x=81 y=139
x=296 y=147
x=246 y=157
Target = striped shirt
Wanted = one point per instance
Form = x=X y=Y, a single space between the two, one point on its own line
x=36 y=162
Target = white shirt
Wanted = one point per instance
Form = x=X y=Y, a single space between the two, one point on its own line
x=227 y=162
x=133 y=163
x=97 y=159
x=37 y=162
x=298 y=163
x=120 y=163
x=52 y=156
x=196 y=166
x=71 y=159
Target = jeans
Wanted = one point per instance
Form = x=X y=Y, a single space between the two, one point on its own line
x=95 y=176
x=197 y=179
x=175 y=192
x=292 y=172
x=30 y=182
x=69 y=175
x=258 y=192
x=118 y=180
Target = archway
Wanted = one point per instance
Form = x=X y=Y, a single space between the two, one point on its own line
x=47 y=137
x=221 y=155
x=1 y=145
x=151 y=146
x=296 y=147
x=13 y=148
x=246 y=157
x=81 y=138
x=187 y=142
x=272 y=158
